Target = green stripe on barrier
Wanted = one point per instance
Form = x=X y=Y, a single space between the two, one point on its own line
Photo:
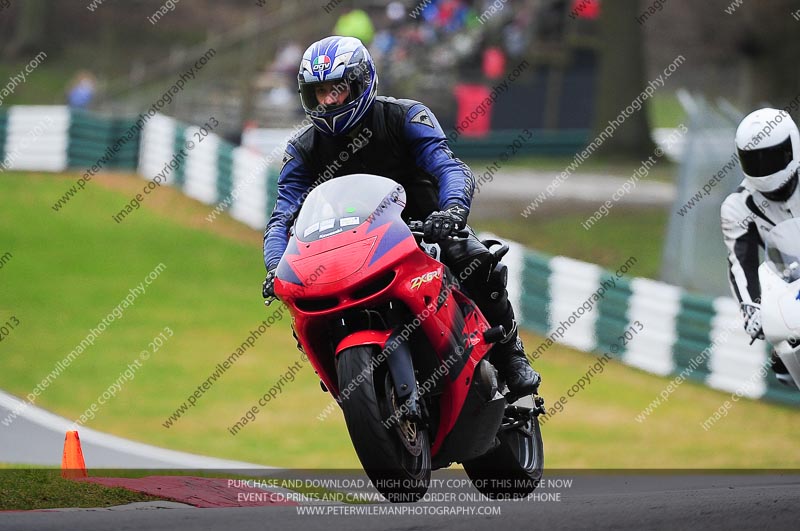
x=86 y=141
x=224 y=170
x=128 y=155
x=612 y=318
x=102 y=142
x=693 y=331
x=535 y=296
x=179 y=144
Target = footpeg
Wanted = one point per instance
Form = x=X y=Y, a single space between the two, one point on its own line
x=538 y=405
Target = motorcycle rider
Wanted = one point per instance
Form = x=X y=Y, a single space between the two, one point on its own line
x=404 y=142
x=768 y=143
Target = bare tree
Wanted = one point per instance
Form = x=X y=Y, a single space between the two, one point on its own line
x=622 y=79
x=29 y=30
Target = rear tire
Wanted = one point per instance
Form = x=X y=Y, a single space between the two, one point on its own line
x=397 y=459
x=514 y=468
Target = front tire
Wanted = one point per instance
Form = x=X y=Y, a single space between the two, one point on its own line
x=396 y=458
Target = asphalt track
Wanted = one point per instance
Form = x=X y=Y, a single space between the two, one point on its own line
x=631 y=501
x=36 y=437
x=587 y=187
x=594 y=500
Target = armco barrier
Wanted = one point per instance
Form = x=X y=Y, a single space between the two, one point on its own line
x=36 y=138
x=701 y=336
x=209 y=169
x=54 y=138
x=92 y=138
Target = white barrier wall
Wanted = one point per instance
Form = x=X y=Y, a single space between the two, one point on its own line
x=201 y=166
x=656 y=306
x=157 y=147
x=650 y=325
x=249 y=195
x=572 y=284
x=735 y=364
x=37 y=138
x=166 y=143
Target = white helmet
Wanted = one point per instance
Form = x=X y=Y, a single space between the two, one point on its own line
x=768 y=143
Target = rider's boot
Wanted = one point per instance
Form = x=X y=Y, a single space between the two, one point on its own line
x=508 y=355
x=781 y=372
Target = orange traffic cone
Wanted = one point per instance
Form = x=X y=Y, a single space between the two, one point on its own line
x=72 y=464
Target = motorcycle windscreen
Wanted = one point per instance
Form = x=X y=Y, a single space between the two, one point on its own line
x=783 y=249
x=344 y=203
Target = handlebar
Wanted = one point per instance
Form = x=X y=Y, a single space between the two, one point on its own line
x=416 y=230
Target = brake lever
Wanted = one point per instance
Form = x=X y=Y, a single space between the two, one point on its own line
x=416 y=229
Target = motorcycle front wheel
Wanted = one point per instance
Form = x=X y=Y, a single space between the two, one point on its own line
x=395 y=452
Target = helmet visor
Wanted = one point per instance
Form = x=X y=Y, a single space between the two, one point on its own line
x=326 y=96
x=767 y=161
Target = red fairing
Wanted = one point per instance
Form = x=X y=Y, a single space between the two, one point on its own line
x=331 y=271
x=377 y=262
x=364 y=337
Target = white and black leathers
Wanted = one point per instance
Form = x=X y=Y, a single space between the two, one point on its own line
x=747 y=216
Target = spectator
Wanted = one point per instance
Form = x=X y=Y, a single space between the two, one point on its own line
x=81 y=91
x=355 y=23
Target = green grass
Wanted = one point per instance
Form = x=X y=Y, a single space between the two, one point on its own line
x=43 y=86
x=69 y=269
x=47 y=83
x=27 y=489
x=625 y=232
x=664 y=110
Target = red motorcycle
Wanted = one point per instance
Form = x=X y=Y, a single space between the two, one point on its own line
x=401 y=347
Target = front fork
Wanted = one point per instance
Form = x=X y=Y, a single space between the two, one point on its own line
x=401 y=367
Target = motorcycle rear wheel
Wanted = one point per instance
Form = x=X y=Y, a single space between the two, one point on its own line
x=514 y=468
x=396 y=458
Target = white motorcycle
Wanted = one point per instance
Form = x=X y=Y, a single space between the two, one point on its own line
x=779 y=275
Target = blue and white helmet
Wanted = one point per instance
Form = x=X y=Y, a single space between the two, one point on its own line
x=343 y=59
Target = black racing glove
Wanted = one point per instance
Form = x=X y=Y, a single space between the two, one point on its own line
x=444 y=223
x=268 y=287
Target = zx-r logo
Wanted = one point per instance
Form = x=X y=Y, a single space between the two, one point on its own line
x=424 y=279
